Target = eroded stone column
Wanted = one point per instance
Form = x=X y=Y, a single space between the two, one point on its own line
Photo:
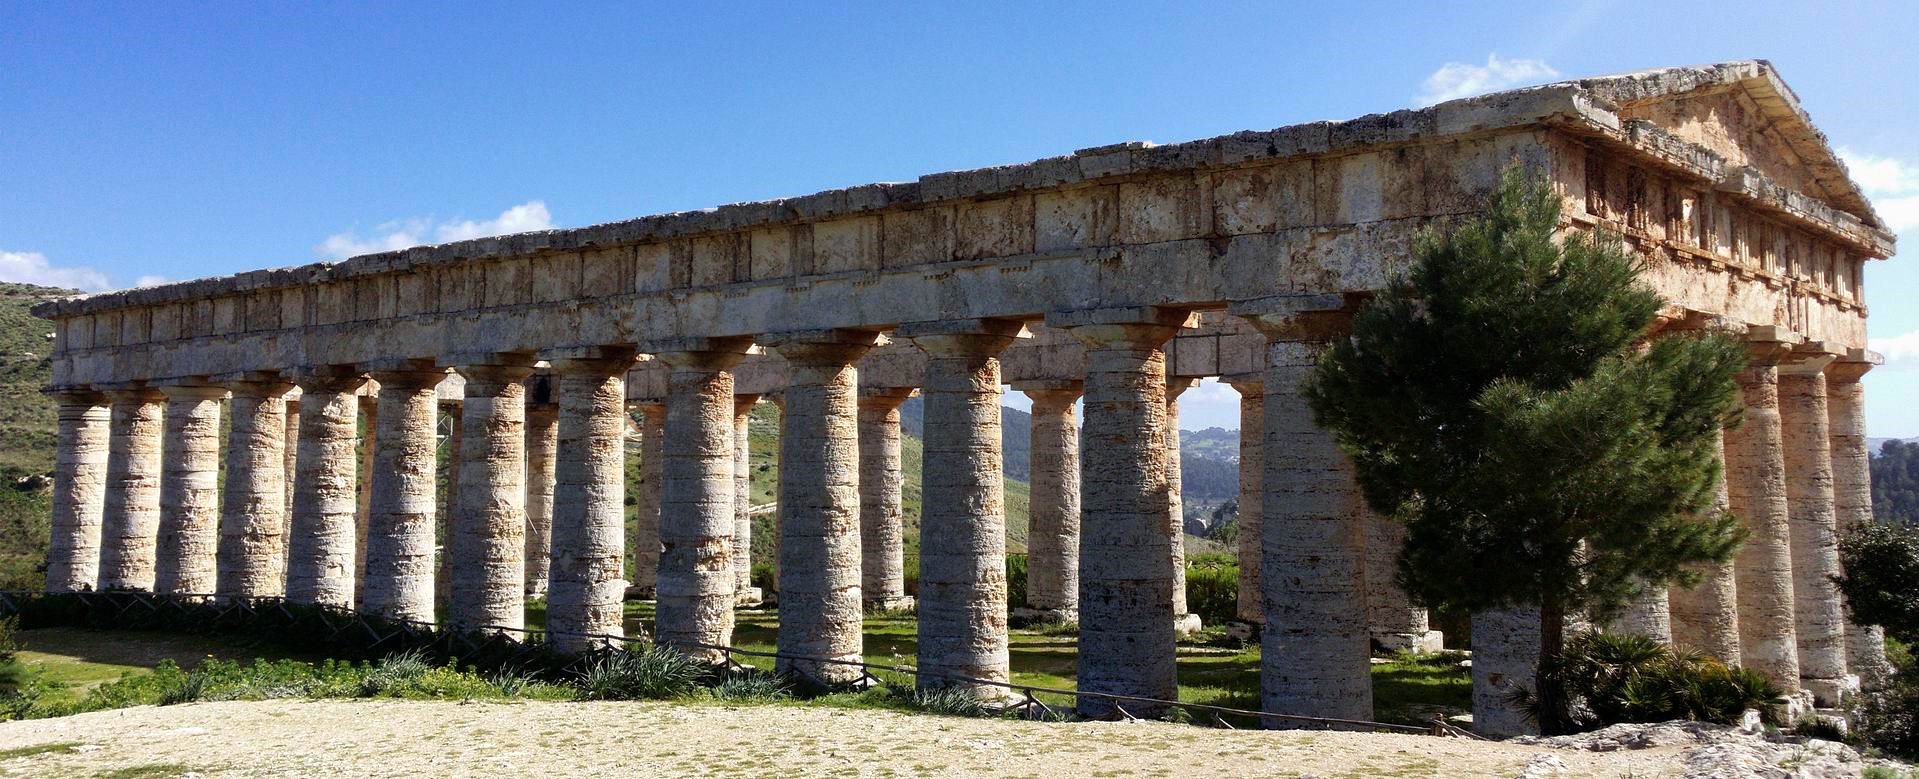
x=321 y=536
x=646 y=505
x=962 y=585
x=1395 y=624
x=1314 y=645
x=542 y=437
x=1852 y=496
x=190 y=491
x=253 y=503
x=1252 y=492
x=695 y=580
x=1705 y=618
x=819 y=496
x=400 y=576
x=882 y=555
x=489 y=531
x=1052 y=535
x=1126 y=639
x=130 y=526
x=1185 y=622
x=79 y=490
x=363 y=510
x=1820 y=611
x=743 y=589
x=449 y=513
x=589 y=497
x=290 y=449
x=1756 y=491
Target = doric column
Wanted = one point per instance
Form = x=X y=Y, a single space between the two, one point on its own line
x=1126 y=639
x=1852 y=495
x=130 y=525
x=743 y=589
x=290 y=452
x=542 y=437
x=646 y=505
x=449 y=511
x=1705 y=618
x=321 y=535
x=1184 y=621
x=962 y=585
x=253 y=504
x=1393 y=622
x=1314 y=646
x=589 y=497
x=1252 y=490
x=1756 y=491
x=400 y=512
x=882 y=557
x=1820 y=612
x=363 y=509
x=1052 y=535
x=489 y=529
x=695 y=582
x=819 y=496
x=79 y=490
x=189 y=491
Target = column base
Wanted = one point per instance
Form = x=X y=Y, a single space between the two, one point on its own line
x=1186 y=624
x=1831 y=693
x=1242 y=630
x=636 y=592
x=1430 y=641
x=1792 y=707
x=749 y=596
x=1031 y=616
x=900 y=603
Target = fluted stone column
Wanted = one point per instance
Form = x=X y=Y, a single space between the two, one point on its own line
x=1126 y=639
x=743 y=589
x=542 y=437
x=363 y=484
x=290 y=449
x=1252 y=491
x=400 y=575
x=1756 y=491
x=1394 y=623
x=1052 y=536
x=320 y=541
x=589 y=497
x=189 y=491
x=130 y=526
x=819 y=496
x=253 y=504
x=1852 y=496
x=79 y=490
x=695 y=582
x=1185 y=622
x=489 y=532
x=962 y=585
x=646 y=505
x=1820 y=611
x=1705 y=618
x=1314 y=645
x=882 y=557
x=449 y=513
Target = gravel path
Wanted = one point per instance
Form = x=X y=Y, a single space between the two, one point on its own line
x=436 y=739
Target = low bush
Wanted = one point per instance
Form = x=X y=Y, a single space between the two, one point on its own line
x=656 y=673
x=1212 y=588
x=1612 y=678
x=1889 y=718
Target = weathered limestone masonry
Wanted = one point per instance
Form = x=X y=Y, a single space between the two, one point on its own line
x=542 y=437
x=189 y=483
x=1705 y=618
x=1852 y=496
x=743 y=588
x=1185 y=622
x=1125 y=265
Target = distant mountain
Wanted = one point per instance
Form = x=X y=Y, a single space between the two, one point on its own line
x=1877 y=445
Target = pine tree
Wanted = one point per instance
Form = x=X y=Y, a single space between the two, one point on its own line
x=1501 y=400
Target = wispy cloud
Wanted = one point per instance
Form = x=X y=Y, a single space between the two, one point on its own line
x=1891 y=182
x=1901 y=351
x=34 y=268
x=1455 y=80
x=417 y=231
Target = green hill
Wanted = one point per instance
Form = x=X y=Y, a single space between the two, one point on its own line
x=26 y=434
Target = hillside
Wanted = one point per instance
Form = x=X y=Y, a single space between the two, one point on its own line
x=26 y=434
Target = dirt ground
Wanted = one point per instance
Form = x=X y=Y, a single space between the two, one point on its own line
x=441 y=739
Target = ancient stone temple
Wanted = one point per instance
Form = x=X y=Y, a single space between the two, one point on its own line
x=1109 y=278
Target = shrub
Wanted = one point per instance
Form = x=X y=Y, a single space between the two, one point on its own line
x=1015 y=581
x=1890 y=717
x=954 y=701
x=657 y=673
x=394 y=674
x=1628 y=678
x=1212 y=588
x=752 y=686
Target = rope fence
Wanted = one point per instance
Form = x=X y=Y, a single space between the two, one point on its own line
x=368 y=636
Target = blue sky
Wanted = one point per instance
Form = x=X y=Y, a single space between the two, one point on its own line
x=153 y=142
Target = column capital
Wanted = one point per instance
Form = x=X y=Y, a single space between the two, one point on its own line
x=822 y=347
x=962 y=337
x=255 y=383
x=1769 y=345
x=492 y=367
x=132 y=392
x=699 y=354
x=1853 y=365
x=1125 y=326
x=592 y=360
x=1810 y=357
x=1178 y=385
x=405 y=374
x=1321 y=317
x=1052 y=389
x=193 y=391
x=76 y=395
x=744 y=402
x=328 y=378
x=886 y=396
x=1246 y=383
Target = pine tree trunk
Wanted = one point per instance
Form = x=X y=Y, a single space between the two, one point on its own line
x=1553 y=718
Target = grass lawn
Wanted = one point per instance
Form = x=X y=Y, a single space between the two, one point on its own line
x=74 y=660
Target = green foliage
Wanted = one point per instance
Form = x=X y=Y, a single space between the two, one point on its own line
x=951 y=701
x=1895 y=482
x=1628 y=678
x=656 y=673
x=1212 y=588
x=1015 y=581
x=752 y=686
x=1889 y=718
x=1881 y=583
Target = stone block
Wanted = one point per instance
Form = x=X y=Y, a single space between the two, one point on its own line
x=846 y=244
x=916 y=237
x=1075 y=219
x=1159 y=209
x=994 y=228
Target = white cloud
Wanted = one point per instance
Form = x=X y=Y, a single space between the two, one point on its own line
x=1901 y=351
x=1455 y=80
x=1891 y=182
x=33 y=268
x=417 y=231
